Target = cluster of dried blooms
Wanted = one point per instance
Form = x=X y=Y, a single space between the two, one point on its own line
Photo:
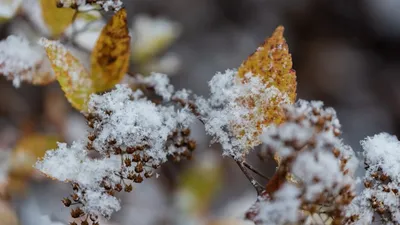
x=379 y=202
x=122 y=148
x=314 y=175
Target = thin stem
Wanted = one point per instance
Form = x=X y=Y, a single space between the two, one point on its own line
x=259 y=188
x=254 y=170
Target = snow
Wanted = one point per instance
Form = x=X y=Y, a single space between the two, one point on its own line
x=283 y=209
x=161 y=85
x=383 y=151
x=19 y=59
x=106 y=4
x=128 y=119
x=382 y=156
x=226 y=112
x=132 y=123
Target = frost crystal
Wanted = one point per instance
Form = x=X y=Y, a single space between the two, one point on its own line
x=161 y=85
x=133 y=123
x=237 y=111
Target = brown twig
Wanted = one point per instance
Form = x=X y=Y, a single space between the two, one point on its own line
x=254 y=170
x=259 y=188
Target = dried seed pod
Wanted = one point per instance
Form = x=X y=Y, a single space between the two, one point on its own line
x=185 y=132
x=383 y=177
x=66 y=202
x=127 y=162
x=146 y=158
x=76 y=213
x=75 y=197
x=117 y=151
x=118 y=187
x=191 y=145
x=128 y=188
x=131 y=176
x=130 y=150
x=140 y=148
x=138 y=178
x=139 y=167
x=91 y=137
x=148 y=174
x=367 y=184
x=136 y=158
x=112 y=142
x=75 y=186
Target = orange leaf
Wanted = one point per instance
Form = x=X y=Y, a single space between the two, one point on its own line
x=272 y=62
x=110 y=57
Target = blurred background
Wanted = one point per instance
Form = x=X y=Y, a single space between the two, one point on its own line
x=346 y=53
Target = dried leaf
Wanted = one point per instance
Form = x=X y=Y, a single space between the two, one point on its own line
x=110 y=57
x=57 y=19
x=272 y=62
x=74 y=80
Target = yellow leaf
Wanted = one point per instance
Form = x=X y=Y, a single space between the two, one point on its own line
x=57 y=19
x=272 y=64
x=110 y=57
x=74 y=80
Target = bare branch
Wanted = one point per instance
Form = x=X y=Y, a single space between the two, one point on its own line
x=259 y=188
x=254 y=170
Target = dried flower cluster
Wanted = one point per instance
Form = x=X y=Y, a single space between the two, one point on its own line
x=315 y=169
x=121 y=149
x=379 y=201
